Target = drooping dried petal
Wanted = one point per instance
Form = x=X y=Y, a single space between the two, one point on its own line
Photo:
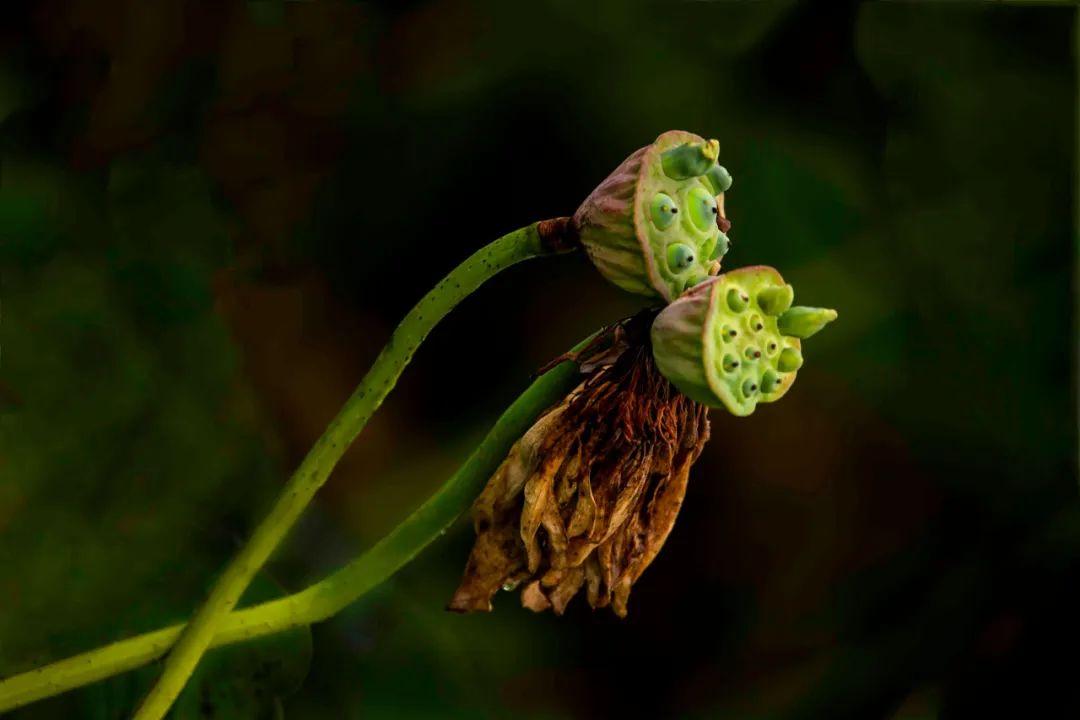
x=588 y=495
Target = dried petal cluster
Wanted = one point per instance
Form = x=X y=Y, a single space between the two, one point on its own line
x=589 y=494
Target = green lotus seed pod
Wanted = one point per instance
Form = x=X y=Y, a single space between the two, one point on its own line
x=690 y=159
x=719 y=350
x=719 y=178
x=802 y=322
x=657 y=198
x=774 y=301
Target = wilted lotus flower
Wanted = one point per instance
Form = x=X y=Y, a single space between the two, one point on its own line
x=589 y=494
x=656 y=225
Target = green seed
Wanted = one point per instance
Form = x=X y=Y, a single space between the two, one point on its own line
x=719 y=178
x=752 y=353
x=680 y=257
x=737 y=300
x=769 y=381
x=702 y=208
x=775 y=300
x=720 y=249
x=690 y=159
x=730 y=363
x=790 y=360
x=749 y=388
x=662 y=210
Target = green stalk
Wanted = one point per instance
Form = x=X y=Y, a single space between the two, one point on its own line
x=327 y=597
x=528 y=242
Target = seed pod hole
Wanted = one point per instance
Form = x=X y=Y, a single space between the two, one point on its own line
x=754 y=323
x=752 y=353
x=749 y=388
x=730 y=363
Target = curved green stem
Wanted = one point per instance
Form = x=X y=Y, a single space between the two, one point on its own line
x=512 y=248
x=331 y=594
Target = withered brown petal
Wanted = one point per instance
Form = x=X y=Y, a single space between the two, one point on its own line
x=590 y=493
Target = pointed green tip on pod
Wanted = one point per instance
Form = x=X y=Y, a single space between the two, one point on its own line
x=689 y=160
x=803 y=322
x=719 y=178
x=775 y=300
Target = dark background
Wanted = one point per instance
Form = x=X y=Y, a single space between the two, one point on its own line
x=212 y=215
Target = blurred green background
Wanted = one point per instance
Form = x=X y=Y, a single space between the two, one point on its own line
x=213 y=214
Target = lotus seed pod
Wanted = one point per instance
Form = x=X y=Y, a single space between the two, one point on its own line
x=721 y=342
x=654 y=225
x=802 y=322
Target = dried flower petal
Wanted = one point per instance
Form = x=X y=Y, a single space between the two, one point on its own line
x=587 y=497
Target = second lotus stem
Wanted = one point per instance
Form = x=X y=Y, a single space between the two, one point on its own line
x=537 y=239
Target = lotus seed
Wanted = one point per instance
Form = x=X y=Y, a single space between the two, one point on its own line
x=702 y=208
x=662 y=211
x=721 y=247
x=775 y=300
x=719 y=178
x=736 y=300
x=680 y=257
x=769 y=381
x=790 y=360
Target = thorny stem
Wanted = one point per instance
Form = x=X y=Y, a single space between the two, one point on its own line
x=327 y=597
x=542 y=238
